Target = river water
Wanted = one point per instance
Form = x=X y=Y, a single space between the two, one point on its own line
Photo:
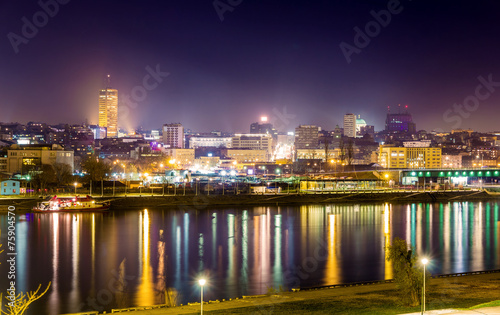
x=143 y=257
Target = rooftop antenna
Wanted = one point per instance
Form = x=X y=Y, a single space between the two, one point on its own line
x=108 y=81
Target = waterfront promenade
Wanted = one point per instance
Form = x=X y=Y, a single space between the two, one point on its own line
x=200 y=202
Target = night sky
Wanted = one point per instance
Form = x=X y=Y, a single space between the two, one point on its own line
x=276 y=58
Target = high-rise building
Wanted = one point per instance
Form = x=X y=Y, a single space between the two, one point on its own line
x=307 y=137
x=263 y=128
x=400 y=122
x=173 y=135
x=350 y=125
x=108 y=110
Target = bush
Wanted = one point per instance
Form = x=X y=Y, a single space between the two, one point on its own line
x=408 y=271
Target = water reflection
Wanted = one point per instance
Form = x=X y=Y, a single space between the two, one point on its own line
x=126 y=258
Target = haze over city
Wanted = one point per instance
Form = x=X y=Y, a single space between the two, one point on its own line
x=227 y=66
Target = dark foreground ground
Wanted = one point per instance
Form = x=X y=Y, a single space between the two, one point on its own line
x=455 y=292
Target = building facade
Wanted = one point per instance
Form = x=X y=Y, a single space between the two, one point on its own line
x=210 y=142
x=21 y=159
x=173 y=135
x=108 y=111
x=451 y=161
x=350 y=125
x=409 y=157
x=254 y=142
x=307 y=137
x=247 y=155
x=180 y=157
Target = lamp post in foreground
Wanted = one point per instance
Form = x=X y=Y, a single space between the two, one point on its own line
x=76 y=184
x=202 y=283
x=424 y=262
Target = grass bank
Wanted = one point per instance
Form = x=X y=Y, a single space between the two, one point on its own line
x=461 y=292
x=457 y=292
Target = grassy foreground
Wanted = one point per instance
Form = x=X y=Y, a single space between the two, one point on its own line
x=442 y=293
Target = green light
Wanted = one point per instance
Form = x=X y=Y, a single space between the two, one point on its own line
x=420 y=174
x=464 y=173
x=413 y=173
x=457 y=173
x=496 y=172
x=449 y=174
x=471 y=173
x=441 y=173
x=480 y=173
x=488 y=173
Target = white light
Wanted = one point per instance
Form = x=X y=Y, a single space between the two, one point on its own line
x=425 y=261
x=263 y=118
x=202 y=282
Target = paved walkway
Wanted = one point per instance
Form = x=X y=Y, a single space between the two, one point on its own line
x=483 y=310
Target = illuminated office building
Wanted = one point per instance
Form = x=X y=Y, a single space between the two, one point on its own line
x=108 y=110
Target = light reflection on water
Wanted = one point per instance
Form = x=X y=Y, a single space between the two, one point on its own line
x=128 y=258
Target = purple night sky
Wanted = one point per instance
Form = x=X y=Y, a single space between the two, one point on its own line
x=280 y=59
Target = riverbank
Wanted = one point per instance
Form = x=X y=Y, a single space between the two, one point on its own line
x=200 y=202
x=458 y=292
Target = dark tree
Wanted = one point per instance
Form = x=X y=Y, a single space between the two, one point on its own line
x=96 y=169
x=62 y=173
x=408 y=272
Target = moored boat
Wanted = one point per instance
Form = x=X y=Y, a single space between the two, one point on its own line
x=71 y=204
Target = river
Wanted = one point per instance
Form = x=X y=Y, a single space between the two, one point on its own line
x=128 y=258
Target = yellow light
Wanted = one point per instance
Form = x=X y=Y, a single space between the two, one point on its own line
x=386 y=175
x=425 y=261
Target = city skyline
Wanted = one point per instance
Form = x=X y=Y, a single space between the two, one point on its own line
x=211 y=68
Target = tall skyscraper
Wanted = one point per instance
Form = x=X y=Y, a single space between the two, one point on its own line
x=400 y=122
x=108 y=110
x=350 y=125
x=173 y=135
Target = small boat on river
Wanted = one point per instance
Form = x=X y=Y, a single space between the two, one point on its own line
x=71 y=204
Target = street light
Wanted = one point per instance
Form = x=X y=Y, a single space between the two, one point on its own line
x=424 y=262
x=202 y=283
x=125 y=175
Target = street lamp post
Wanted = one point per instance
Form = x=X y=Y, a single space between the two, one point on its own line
x=75 y=186
x=424 y=262
x=202 y=283
x=125 y=174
